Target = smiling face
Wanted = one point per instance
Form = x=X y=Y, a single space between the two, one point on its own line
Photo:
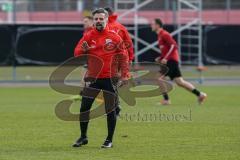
x=100 y=21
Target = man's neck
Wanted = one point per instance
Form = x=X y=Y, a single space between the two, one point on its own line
x=158 y=30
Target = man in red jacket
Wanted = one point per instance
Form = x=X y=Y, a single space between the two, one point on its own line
x=121 y=31
x=101 y=45
x=170 y=58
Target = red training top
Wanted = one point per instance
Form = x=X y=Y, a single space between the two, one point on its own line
x=104 y=54
x=165 y=42
x=123 y=33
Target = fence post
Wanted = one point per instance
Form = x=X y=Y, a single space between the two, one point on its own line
x=228 y=5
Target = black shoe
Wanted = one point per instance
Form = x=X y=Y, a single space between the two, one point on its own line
x=81 y=141
x=107 y=144
x=118 y=110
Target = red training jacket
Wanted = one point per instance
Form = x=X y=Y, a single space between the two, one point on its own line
x=165 y=41
x=123 y=33
x=104 y=46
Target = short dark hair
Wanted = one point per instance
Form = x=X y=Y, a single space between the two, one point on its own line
x=109 y=10
x=88 y=17
x=159 y=22
x=100 y=10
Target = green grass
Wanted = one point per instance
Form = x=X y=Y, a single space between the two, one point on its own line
x=29 y=129
x=43 y=72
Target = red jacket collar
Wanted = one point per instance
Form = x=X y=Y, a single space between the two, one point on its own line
x=161 y=32
x=112 y=18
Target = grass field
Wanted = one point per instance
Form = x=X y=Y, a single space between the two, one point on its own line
x=43 y=73
x=31 y=131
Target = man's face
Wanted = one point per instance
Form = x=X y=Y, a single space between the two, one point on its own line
x=87 y=23
x=154 y=26
x=100 y=21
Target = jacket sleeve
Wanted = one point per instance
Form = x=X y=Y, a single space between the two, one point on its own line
x=123 y=61
x=78 y=49
x=128 y=42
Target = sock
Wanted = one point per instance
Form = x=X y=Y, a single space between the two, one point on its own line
x=111 y=124
x=84 y=116
x=165 y=96
x=196 y=92
x=84 y=126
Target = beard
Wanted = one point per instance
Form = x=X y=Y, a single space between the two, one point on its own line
x=99 y=26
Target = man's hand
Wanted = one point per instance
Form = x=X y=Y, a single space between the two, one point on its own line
x=85 y=46
x=123 y=81
x=157 y=60
x=164 y=61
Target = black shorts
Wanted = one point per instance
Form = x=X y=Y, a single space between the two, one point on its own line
x=173 y=69
x=90 y=92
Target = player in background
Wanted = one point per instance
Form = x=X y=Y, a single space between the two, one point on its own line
x=87 y=24
x=101 y=42
x=170 y=58
x=123 y=33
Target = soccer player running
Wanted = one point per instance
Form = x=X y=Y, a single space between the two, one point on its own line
x=170 y=58
x=99 y=43
x=127 y=41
